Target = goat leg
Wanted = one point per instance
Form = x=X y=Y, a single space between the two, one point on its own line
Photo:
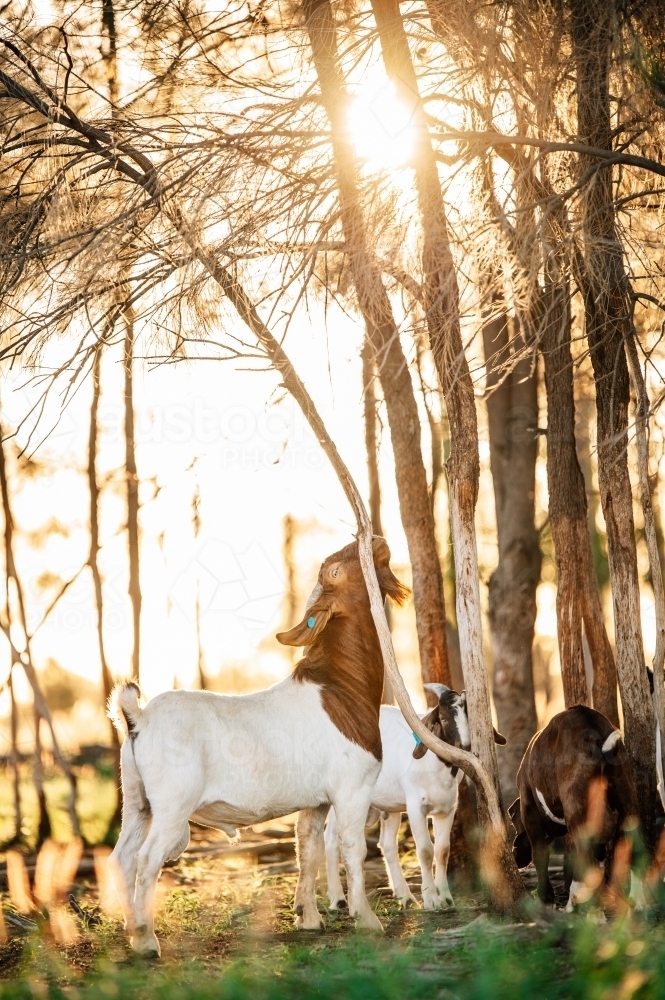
x=310 y=846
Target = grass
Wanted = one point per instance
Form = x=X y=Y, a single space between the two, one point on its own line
x=574 y=960
x=226 y=929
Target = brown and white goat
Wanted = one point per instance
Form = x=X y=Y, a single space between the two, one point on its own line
x=574 y=779
x=307 y=743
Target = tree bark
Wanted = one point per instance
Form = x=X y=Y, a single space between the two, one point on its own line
x=512 y=410
x=389 y=357
x=607 y=317
x=132 y=498
x=578 y=599
x=107 y=679
x=371 y=449
x=371 y=444
x=650 y=533
x=440 y=300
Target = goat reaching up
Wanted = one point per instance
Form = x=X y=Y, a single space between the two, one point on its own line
x=309 y=742
x=421 y=787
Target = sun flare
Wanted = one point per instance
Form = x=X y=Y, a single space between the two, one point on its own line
x=382 y=127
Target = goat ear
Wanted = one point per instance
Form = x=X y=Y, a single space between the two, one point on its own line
x=522 y=851
x=514 y=811
x=498 y=738
x=315 y=620
x=390 y=585
x=434 y=725
x=432 y=722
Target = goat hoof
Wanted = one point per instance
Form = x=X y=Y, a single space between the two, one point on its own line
x=146 y=946
x=339 y=904
x=407 y=901
x=308 y=924
x=370 y=923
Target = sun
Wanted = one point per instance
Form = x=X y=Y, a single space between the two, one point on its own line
x=382 y=127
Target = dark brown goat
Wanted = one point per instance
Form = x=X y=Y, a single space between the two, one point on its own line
x=574 y=779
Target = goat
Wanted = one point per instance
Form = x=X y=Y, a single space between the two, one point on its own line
x=421 y=787
x=306 y=743
x=574 y=779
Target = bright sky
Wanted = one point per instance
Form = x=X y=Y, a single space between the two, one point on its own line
x=205 y=426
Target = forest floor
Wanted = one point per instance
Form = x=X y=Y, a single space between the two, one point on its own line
x=225 y=924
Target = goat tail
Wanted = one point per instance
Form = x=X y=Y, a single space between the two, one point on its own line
x=610 y=746
x=124 y=710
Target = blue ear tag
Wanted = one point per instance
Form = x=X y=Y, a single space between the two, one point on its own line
x=418 y=741
x=311 y=622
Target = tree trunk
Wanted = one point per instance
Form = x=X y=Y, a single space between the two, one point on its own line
x=44 y=822
x=109 y=53
x=107 y=679
x=512 y=410
x=371 y=449
x=607 y=316
x=650 y=533
x=440 y=299
x=41 y=707
x=18 y=818
x=383 y=334
x=371 y=444
x=578 y=599
x=132 y=498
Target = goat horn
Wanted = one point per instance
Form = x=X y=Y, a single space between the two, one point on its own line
x=314 y=596
x=438 y=689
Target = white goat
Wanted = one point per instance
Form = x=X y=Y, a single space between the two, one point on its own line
x=421 y=787
x=311 y=741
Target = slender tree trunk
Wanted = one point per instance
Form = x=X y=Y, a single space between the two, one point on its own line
x=440 y=299
x=371 y=444
x=650 y=533
x=93 y=562
x=371 y=449
x=512 y=410
x=44 y=822
x=394 y=372
x=25 y=659
x=578 y=599
x=18 y=818
x=291 y=594
x=132 y=498
x=110 y=56
x=607 y=316
x=110 y=51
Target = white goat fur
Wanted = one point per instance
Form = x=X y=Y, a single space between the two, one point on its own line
x=421 y=788
x=230 y=762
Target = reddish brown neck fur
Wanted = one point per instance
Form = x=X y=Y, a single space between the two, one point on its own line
x=345 y=660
